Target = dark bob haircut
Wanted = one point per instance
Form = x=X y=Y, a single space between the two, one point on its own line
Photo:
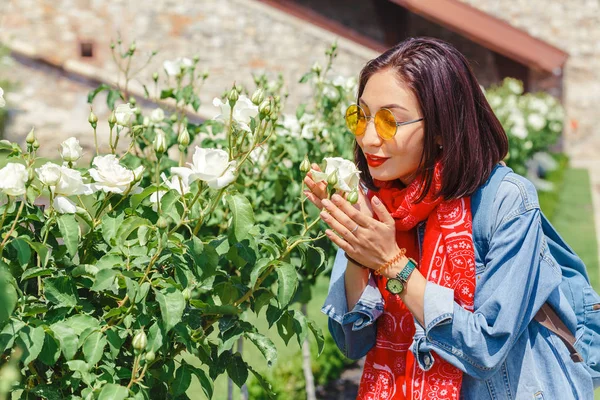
x=454 y=109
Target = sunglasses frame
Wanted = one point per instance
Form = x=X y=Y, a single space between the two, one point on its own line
x=372 y=117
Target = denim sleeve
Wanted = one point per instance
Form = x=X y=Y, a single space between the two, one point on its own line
x=522 y=276
x=353 y=331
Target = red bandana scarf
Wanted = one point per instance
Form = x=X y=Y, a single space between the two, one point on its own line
x=447 y=259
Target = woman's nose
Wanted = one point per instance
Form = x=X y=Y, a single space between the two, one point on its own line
x=371 y=138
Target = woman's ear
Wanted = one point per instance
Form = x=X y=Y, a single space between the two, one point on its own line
x=438 y=141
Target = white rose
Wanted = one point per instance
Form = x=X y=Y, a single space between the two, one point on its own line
x=519 y=131
x=157 y=116
x=110 y=176
x=291 y=127
x=211 y=166
x=174 y=67
x=347 y=173
x=49 y=174
x=243 y=111
x=536 y=121
x=70 y=150
x=70 y=183
x=123 y=114
x=14 y=177
x=178 y=183
x=2 y=101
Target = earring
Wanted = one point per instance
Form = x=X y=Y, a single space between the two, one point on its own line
x=441 y=147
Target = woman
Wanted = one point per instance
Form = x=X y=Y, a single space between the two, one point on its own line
x=439 y=320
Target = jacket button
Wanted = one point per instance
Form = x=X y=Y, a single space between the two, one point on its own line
x=427 y=360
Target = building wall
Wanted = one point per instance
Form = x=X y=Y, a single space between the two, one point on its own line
x=573 y=26
x=234 y=39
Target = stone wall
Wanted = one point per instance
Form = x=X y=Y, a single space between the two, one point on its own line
x=233 y=39
x=573 y=26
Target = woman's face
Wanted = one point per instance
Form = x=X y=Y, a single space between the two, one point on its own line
x=396 y=158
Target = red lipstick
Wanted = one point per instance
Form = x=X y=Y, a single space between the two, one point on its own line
x=375 y=161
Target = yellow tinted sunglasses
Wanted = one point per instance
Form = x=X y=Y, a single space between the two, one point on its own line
x=385 y=122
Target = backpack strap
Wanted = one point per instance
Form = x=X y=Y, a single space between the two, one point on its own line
x=482 y=203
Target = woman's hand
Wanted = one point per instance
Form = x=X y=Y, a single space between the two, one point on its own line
x=318 y=192
x=365 y=239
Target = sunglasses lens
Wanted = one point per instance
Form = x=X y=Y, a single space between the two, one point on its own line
x=356 y=120
x=385 y=123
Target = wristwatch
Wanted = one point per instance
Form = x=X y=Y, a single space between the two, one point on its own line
x=396 y=285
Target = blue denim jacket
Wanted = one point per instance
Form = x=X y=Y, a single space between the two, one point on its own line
x=503 y=352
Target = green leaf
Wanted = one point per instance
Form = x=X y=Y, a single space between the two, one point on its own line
x=111 y=391
x=265 y=345
x=78 y=366
x=258 y=269
x=287 y=282
x=67 y=339
x=171 y=304
x=318 y=335
x=69 y=229
x=43 y=251
x=8 y=295
x=183 y=378
x=60 y=291
x=237 y=369
x=47 y=392
x=93 y=347
x=306 y=77
x=206 y=383
x=105 y=278
x=155 y=337
x=243 y=215
x=9 y=333
x=31 y=341
x=130 y=225
x=112 y=97
x=81 y=322
x=285 y=327
x=95 y=92
x=109 y=227
x=227 y=309
x=50 y=351
x=35 y=272
x=137 y=199
x=114 y=342
x=263 y=383
x=300 y=326
x=23 y=251
x=205 y=257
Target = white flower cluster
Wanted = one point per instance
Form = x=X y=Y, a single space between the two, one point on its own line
x=346 y=171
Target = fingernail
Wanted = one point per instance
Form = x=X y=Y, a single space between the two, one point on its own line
x=326 y=203
x=323 y=215
x=336 y=198
x=376 y=200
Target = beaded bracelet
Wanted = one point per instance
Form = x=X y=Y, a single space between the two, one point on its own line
x=354 y=261
x=391 y=262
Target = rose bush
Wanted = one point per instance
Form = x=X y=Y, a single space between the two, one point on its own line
x=126 y=270
x=533 y=121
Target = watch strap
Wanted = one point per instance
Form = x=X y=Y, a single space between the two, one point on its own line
x=407 y=270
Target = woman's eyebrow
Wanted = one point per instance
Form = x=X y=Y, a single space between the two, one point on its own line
x=386 y=106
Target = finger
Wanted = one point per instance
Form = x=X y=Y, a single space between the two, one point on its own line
x=313 y=199
x=342 y=244
x=381 y=212
x=316 y=167
x=337 y=226
x=350 y=211
x=319 y=189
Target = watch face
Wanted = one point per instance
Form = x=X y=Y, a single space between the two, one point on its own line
x=395 y=286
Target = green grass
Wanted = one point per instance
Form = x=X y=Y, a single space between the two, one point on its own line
x=573 y=218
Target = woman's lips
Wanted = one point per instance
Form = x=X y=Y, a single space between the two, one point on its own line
x=375 y=161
